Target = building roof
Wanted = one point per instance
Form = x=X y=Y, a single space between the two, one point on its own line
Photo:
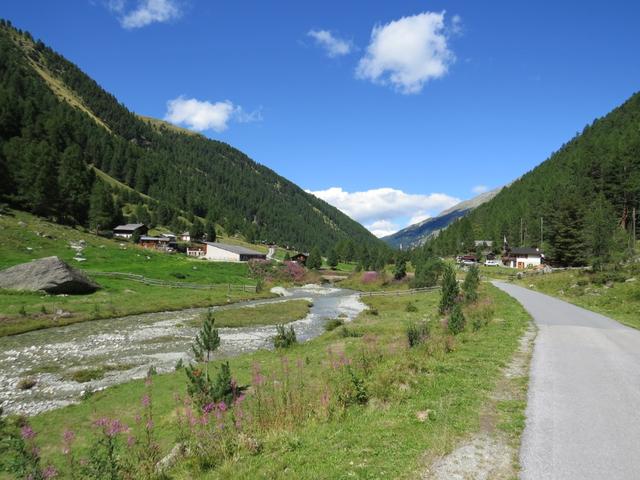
x=525 y=251
x=130 y=227
x=234 y=248
x=145 y=238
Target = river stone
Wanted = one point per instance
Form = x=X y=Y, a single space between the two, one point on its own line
x=49 y=274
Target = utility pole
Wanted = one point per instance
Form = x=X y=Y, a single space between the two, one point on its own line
x=633 y=230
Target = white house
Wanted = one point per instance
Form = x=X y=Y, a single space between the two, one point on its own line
x=185 y=237
x=221 y=252
x=127 y=231
x=523 y=258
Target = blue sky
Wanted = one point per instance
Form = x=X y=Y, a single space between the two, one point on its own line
x=391 y=110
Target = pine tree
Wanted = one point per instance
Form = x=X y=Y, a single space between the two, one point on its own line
x=600 y=224
x=210 y=225
x=197 y=230
x=332 y=259
x=314 y=261
x=450 y=289
x=207 y=340
x=101 y=207
x=471 y=283
x=566 y=230
x=400 y=270
x=456 y=322
x=74 y=184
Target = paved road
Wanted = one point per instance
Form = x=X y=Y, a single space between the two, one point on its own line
x=583 y=412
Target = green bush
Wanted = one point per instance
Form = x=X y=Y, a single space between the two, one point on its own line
x=410 y=307
x=87 y=374
x=285 y=337
x=349 y=333
x=333 y=324
x=417 y=333
x=457 y=321
x=27 y=383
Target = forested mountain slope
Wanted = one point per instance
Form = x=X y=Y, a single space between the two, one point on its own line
x=418 y=233
x=578 y=203
x=56 y=122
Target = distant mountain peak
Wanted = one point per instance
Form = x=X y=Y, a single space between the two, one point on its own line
x=418 y=233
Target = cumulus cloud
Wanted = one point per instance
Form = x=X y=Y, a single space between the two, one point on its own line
x=478 y=189
x=385 y=210
x=382 y=228
x=408 y=52
x=203 y=115
x=145 y=12
x=333 y=46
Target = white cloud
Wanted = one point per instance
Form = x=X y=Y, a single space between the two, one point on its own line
x=145 y=13
x=382 y=228
x=202 y=115
x=419 y=217
x=334 y=46
x=456 y=27
x=385 y=210
x=478 y=189
x=408 y=52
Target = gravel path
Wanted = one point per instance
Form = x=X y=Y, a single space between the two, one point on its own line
x=583 y=412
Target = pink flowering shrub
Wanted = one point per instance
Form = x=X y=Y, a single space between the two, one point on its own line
x=370 y=277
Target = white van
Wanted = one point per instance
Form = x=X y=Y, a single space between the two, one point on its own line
x=491 y=263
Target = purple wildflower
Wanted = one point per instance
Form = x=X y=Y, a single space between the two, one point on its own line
x=27 y=433
x=49 y=472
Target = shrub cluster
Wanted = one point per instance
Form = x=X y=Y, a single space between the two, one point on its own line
x=285 y=337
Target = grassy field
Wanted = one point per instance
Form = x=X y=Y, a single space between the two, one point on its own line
x=268 y=314
x=421 y=400
x=370 y=282
x=609 y=294
x=25 y=237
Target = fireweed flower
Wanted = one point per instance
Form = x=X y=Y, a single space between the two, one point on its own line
x=49 y=472
x=27 y=433
x=67 y=439
x=258 y=378
x=208 y=408
x=146 y=401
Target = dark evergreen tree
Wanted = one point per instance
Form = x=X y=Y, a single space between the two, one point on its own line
x=74 y=184
x=332 y=259
x=600 y=224
x=400 y=269
x=197 y=230
x=471 y=284
x=314 y=261
x=450 y=289
x=101 y=208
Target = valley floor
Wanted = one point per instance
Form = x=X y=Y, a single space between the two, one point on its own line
x=419 y=403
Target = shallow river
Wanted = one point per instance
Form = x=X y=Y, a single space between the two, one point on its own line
x=128 y=346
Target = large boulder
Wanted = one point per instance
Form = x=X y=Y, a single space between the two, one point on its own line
x=49 y=274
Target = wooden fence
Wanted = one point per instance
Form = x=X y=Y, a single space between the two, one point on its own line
x=399 y=292
x=165 y=283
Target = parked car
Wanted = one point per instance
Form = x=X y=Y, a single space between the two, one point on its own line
x=491 y=263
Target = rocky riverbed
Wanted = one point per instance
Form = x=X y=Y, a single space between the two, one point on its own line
x=65 y=362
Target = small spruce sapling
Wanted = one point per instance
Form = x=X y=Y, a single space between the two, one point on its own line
x=457 y=321
x=450 y=290
x=470 y=284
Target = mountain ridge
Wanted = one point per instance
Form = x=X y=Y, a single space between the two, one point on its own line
x=55 y=106
x=418 y=233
